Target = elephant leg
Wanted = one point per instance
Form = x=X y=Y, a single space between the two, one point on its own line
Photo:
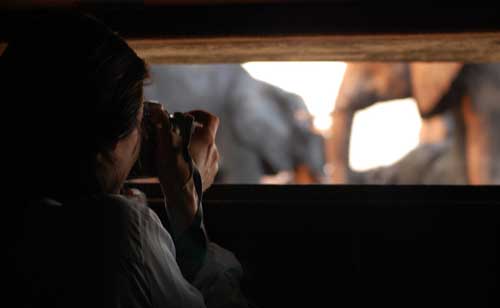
x=337 y=145
x=481 y=116
x=481 y=145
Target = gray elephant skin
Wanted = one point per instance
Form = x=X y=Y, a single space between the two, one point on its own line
x=263 y=130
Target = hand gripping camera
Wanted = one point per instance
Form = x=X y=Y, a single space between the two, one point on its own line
x=181 y=124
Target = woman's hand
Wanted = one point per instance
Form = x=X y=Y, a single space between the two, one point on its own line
x=202 y=148
x=174 y=172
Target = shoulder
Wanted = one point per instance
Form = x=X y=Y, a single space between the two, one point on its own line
x=131 y=223
x=114 y=200
x=124 y=208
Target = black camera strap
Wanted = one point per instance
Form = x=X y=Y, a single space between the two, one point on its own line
x=192 y=245
x=186 y=127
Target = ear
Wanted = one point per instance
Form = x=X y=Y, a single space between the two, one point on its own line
x=431 y=82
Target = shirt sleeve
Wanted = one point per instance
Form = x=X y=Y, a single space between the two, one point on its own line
x=166 y=281
x=190 y=270
x=219 y=279
x=192 y=247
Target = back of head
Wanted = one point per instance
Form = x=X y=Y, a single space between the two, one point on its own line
x=73 y=88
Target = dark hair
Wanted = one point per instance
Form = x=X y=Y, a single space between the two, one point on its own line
x=74 y=88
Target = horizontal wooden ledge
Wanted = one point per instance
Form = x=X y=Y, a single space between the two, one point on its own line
x=463 y=47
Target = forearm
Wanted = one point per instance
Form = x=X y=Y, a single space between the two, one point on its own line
x=186 y=227
x=182 y=205
x=191 y=247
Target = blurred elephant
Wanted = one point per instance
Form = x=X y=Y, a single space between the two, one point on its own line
x=264 y=129
x=460 y=107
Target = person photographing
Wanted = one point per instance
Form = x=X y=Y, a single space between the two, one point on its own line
x=80 y=238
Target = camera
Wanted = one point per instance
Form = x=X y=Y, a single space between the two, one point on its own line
x=180 y=123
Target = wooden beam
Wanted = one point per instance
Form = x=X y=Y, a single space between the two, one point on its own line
x=458 y=47
x=461 y=47
x=235 y=31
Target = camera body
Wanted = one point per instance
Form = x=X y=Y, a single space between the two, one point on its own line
x=181 y=124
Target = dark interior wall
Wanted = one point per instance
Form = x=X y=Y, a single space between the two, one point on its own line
x=399 y=254
x=136 y=19
x=352 y=245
